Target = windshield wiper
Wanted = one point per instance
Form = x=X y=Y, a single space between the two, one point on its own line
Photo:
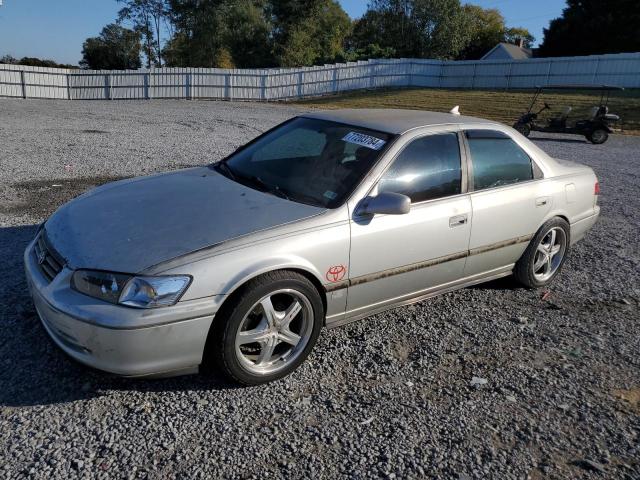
x=265 y=187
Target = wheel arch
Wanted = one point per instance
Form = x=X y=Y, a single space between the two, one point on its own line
x=237 y=288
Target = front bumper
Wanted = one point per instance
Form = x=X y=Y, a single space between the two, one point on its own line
x=118 y=339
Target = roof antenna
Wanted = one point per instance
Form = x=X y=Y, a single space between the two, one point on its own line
x=455 y=110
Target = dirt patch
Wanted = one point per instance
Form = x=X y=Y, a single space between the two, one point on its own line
x=630 y=397
x=40 y=198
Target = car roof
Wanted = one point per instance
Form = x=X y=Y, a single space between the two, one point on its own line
x=391 y=120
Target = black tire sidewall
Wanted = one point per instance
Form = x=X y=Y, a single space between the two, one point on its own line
x=524 y=266
x=605 y=138
x=228 y=326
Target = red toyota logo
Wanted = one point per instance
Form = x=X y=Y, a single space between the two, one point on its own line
x=336 y=273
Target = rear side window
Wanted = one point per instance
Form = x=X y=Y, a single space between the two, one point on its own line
x=497 y=160
x=428 y=168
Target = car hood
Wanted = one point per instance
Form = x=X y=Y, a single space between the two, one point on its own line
x=131 y=225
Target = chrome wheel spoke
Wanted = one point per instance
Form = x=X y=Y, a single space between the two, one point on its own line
x=542 y=249
x=267 y=351
x=552 y=239
x=291 y=313
x=287 y=336
x=539 y=263
x=268 y=310
x=255 y=335
x=555 y=250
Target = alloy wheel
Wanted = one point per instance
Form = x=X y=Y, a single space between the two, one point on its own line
x=549 y=254
x=274 y=332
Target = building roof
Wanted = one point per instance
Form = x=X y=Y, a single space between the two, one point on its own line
x=394 y=121
x=513 y=51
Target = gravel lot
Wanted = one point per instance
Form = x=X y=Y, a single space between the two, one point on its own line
x=391 y=396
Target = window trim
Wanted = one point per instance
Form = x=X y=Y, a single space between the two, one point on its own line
x=464 y=163
x=470 y=180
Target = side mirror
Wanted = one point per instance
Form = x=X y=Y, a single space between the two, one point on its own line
x=385 y=203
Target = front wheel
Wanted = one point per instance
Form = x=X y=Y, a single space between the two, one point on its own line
x=267 y=330
x=598 y=136
x=523 y=128
x=545 y=255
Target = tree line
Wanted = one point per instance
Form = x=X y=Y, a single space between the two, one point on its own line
x=292 y=33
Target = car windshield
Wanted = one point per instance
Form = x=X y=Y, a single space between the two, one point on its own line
x=306 y=160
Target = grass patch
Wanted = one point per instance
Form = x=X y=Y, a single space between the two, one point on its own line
x=502 y=106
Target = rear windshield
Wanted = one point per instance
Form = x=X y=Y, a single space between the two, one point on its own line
x=306 y=160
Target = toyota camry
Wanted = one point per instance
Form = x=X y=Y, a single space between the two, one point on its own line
x=327 y=218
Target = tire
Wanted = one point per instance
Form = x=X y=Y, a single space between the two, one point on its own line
x=598 y=136
x=523 y=128
x=534 y=269
x=253 y=338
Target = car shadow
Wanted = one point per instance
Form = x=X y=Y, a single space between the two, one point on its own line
x=504 y=283
x=33 y=370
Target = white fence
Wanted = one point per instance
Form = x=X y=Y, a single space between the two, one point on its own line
x=278 y=84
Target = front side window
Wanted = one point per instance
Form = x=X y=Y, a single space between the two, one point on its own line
x=307 y=160
x=497 y=160
x=428 y=168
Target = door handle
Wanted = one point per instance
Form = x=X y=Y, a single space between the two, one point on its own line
x=457 y=220
x=541 y=201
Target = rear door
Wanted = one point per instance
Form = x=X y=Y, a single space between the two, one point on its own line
x=508 y=197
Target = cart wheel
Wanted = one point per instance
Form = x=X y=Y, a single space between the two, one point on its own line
x=598 y=136
x=523 y=128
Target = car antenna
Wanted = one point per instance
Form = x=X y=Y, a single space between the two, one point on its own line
x=455 y=110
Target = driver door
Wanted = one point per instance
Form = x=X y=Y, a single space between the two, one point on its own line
x=399 y=257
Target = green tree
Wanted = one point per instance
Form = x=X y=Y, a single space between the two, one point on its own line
x=486 y=29
x=589 y=27
x=146 y=17
x=117 y=48
x=414 y=28
x=308 y=32
x=207 y=32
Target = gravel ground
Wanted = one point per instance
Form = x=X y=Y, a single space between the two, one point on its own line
x=557 y=387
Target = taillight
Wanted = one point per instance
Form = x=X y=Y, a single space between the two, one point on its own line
x=596 y=189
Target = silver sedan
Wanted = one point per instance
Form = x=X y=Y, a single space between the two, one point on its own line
x=327 y=218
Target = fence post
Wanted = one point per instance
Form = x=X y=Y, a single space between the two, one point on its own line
x=409 y=74
x=107 y=87
x=68 y=87
x=263 y=87
x=24 y=87
x=300 y=78
x=335 y=80
x=146 y=80
x=187 y=86
x=595 y=72
x=509 y=76
x=372 y=69
x=227 y=86
x=473 y=78
x=549 y=74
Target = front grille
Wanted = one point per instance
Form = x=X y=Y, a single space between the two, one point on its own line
x=49 y=263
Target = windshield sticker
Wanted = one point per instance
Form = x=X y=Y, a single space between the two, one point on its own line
x=365 y=140
x=330 y=195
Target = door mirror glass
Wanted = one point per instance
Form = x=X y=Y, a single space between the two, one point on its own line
x=387 y=203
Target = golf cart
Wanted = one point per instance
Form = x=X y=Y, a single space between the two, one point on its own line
x=595 y=126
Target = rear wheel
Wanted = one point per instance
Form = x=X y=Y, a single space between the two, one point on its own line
x=523 y=128
x=545 y=255
x=598 y=136
x=267 y=330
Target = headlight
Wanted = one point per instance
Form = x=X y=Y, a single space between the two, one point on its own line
x=133 y=291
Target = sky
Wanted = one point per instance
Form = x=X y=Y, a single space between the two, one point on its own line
x=55 y=29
